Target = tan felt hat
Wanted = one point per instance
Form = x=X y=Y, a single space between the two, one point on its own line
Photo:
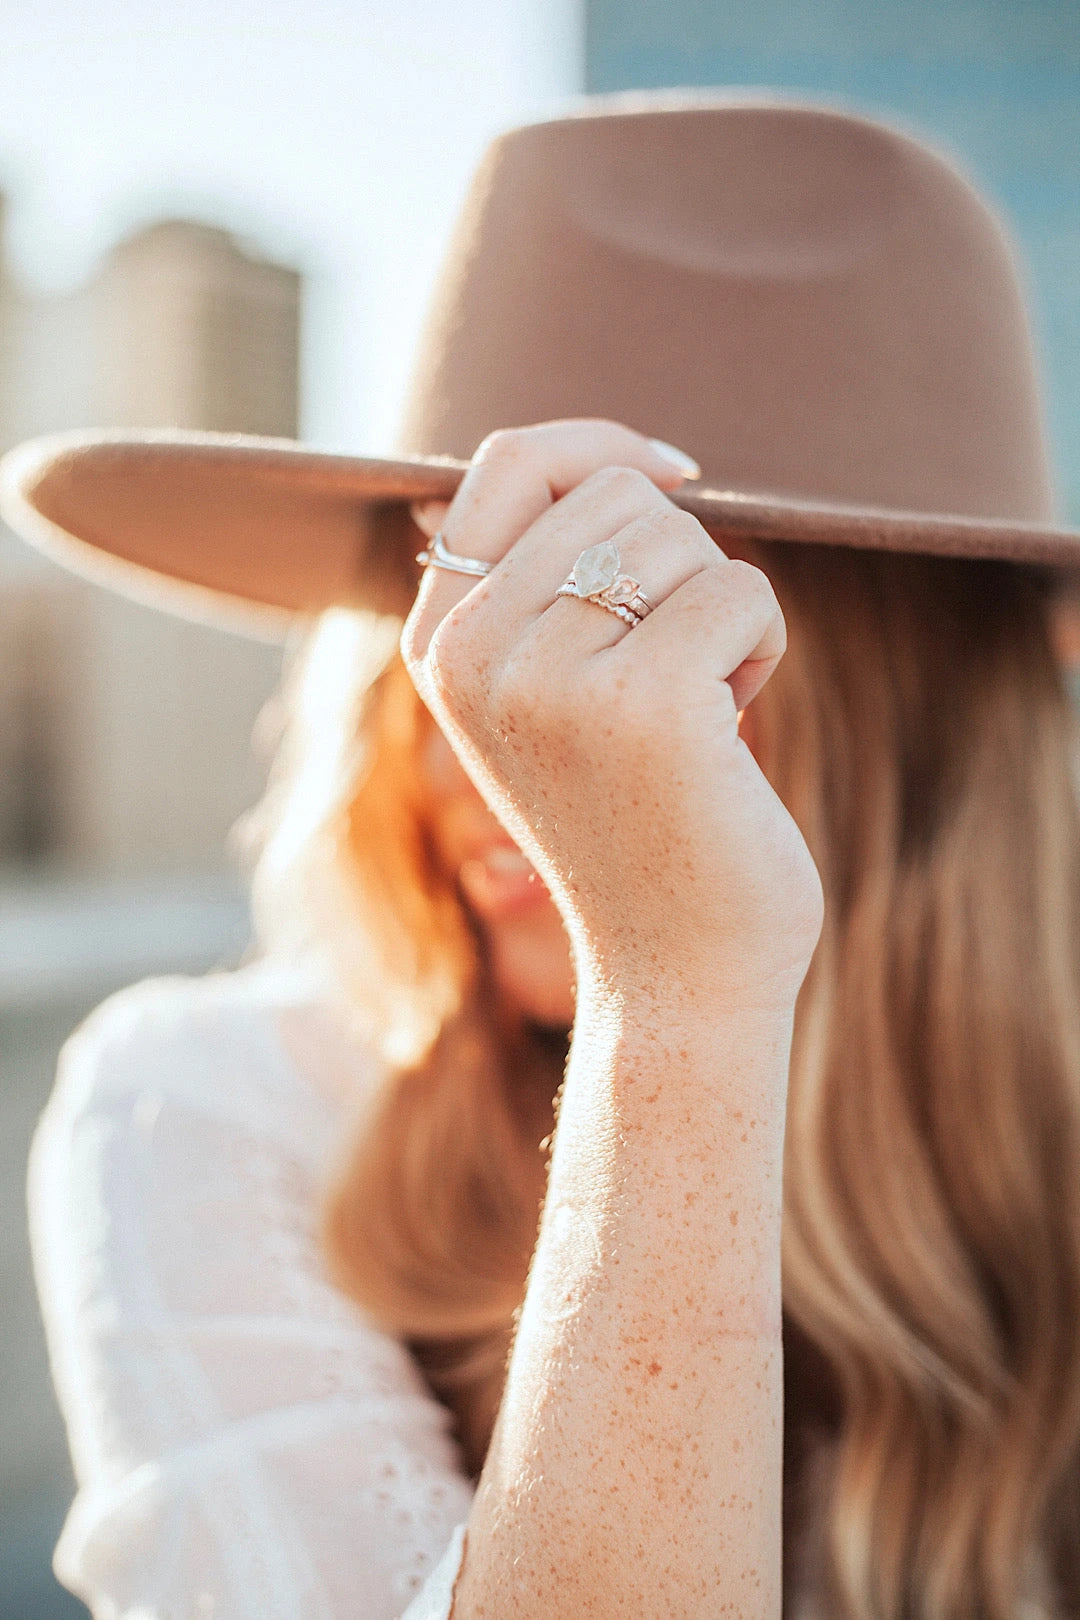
x=817 y=307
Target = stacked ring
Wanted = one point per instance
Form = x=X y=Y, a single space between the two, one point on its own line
x=598 y=577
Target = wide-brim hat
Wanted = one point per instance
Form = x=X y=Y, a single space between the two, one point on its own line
x=818 y=308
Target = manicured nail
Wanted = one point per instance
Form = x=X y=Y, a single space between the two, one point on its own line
x=678 y=458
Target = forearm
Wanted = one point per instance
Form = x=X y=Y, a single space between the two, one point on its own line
x=636 y=1463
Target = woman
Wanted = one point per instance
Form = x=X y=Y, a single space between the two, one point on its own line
x=591 y=795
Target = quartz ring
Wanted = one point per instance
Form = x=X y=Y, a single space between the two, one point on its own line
x=436 y=555
x=598 y=577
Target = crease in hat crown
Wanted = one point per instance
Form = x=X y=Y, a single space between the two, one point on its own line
x=816 y=305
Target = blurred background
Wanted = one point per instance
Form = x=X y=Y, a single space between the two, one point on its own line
x=228 y=215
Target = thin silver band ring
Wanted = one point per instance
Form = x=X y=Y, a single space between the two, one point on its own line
x=436 y=555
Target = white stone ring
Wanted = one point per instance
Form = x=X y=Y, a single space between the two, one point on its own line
x=598 y=577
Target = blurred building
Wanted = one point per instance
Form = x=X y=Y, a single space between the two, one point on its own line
x=125 y=737
x=125 y=748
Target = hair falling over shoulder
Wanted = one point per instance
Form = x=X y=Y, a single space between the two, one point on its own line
x=919 y=731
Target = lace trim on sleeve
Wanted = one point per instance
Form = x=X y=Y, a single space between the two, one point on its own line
x=436 y=1599
x=248 y=1445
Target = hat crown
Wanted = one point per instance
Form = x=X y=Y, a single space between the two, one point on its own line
x=727 y=194
x=811 y=303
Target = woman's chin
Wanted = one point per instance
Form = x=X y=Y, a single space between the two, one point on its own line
x=531 y=965
x=527 y=947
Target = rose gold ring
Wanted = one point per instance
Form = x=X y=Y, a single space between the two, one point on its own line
x=598 y=577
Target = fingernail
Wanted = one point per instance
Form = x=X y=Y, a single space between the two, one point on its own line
x=678 y=458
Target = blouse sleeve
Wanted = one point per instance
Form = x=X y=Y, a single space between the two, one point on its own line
x=247 y=1446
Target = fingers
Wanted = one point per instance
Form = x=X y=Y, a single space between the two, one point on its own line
x=515 y=477
x=616 y=503
x=722 y=623
x=531 y=502
x=517 y=474
x=659 y=548
x=658 y=545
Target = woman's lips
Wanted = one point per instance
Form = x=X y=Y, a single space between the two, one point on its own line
x=498 y=881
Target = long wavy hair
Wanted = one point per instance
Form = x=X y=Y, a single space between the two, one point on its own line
x=920 y=731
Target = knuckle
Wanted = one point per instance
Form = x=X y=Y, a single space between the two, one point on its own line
x=617 y=699
x=455 y=664
x=686 y=531
x=684 y=523
x=526 y=690
x=513 y=695
x=753 y=589
x=635 y=483
x=746 y=583
x=750 y=579
x=503 y=444
x=442 y=663
x=623 y=482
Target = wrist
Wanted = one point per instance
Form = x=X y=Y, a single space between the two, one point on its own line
x=671 y=1131
x=686 y=1051
x=695 y=987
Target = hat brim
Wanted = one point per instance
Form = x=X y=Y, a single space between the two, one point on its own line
x=252 y=532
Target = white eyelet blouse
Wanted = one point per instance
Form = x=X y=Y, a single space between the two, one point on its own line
x=247 y=1445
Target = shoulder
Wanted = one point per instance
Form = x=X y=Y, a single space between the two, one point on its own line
x=221 y=1395
x=179 y=1162
x=216 y=1039
x=174 y=1075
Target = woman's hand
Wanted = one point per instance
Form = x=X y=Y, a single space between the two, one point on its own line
x=612 y=755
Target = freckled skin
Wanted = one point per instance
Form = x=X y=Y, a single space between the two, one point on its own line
x=635 y=1465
